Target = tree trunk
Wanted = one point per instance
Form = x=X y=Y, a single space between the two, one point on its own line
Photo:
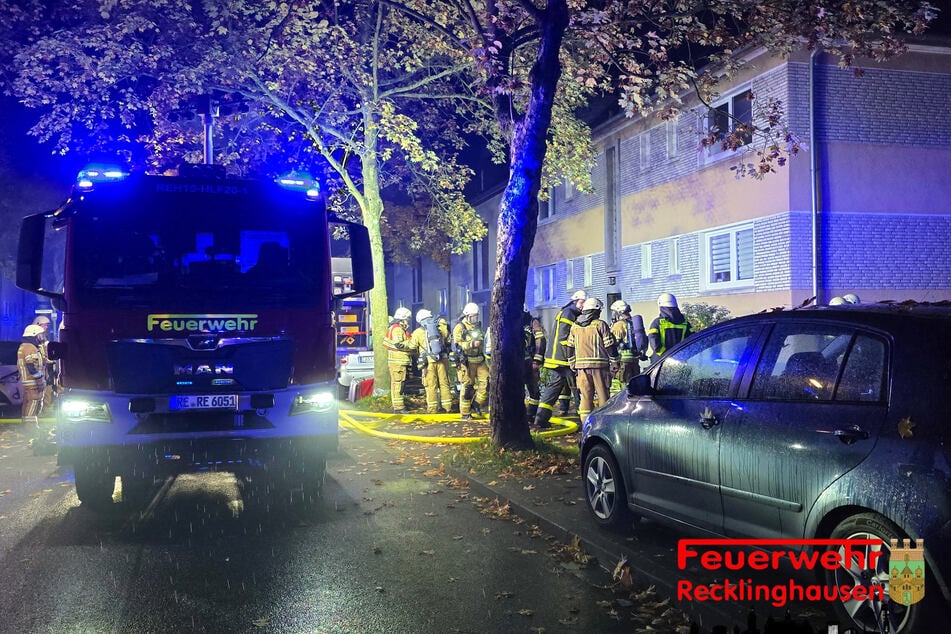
x=518 y=221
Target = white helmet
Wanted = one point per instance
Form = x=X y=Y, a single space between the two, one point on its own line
x=42 y=320
x=470 y=310
x=422 y=314
x=33 y=330
x=402 y=314
x=837 y=301
x=851 y=298
x=667 y=300
x=620 y=306
x=592 y=303
x=579 y=295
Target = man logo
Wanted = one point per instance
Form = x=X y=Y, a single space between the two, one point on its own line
x=906 y=583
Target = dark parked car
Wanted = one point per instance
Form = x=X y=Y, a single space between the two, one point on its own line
x=816 y=423
x=10 y=393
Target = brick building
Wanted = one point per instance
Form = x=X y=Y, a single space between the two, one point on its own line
x=866 y=210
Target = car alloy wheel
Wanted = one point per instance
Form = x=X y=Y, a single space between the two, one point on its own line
x=604 y=489
x=870 y=614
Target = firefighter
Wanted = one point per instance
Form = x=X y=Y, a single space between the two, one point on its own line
x=468 y=339
x=628 y=331
x=431 y=340
x=31 y=363
x=560 y=375
x=399 y=349
x=534 y=342
x=591 y=350
x=52 y=368
x=669 y=328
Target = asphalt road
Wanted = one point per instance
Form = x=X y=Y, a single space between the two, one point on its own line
x=395 y=545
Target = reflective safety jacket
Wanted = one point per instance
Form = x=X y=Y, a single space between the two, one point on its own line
x=667 y=330
x=591 y=344
x=399 y=347
x=32 y=365
x=556 y=355
x=420 y=341
x=538 y=336
x=631 y=338
x=470 y=340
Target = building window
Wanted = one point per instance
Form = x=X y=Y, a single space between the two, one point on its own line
x=569 y=274
x=674 y=261
x=480 y=265
x=646 y=254
x=545 y=284
x=729 y=257
x=569 y=189
x=544 y=208
x=444 y=301
x=645 y=150
x=729 y=114
x=418 y=281
x=462 y=295
x=588 y=271
x=671 y=129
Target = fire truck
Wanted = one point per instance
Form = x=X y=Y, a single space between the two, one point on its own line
x=197 y=330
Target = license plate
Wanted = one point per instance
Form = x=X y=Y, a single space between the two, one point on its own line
x=204 y=401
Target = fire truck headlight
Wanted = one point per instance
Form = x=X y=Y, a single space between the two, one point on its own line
x=314 y=402
x=75 y=410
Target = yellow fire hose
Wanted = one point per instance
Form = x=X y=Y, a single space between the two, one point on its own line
x=348 y=418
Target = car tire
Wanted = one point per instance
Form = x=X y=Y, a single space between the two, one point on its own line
x=604 y=490
x=94 y=484
x=865 y=614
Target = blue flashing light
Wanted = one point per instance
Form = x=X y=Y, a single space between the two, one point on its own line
x=99 y=173
x=300 y=181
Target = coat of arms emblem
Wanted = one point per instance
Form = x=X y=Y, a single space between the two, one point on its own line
x=906 y=583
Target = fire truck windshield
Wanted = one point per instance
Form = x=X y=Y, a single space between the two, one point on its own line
x=195 y=257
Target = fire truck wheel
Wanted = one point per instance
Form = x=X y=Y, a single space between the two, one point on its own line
x=94 y=484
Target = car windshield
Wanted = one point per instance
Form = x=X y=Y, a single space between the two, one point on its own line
x=215 y=256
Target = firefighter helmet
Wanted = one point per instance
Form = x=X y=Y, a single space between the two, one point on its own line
x=667 y=300
x=42 y=320
x=422 y=314
x=837 y=301
x=851 y=298
x=470 y=310
x=32 y=330
x=620 y=306
x=579 y=295
x=592 y=303
x=402 y=314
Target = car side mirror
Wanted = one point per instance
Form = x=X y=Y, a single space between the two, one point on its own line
x=640 y=385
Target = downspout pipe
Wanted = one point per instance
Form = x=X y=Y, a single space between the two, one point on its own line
x=814 y=179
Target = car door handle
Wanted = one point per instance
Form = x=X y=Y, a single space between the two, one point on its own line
x=850 y=434
x=708 y=419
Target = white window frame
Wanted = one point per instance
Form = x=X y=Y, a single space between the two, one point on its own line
x=672 y=140
x=715 y=150
x=569 y=274
x=569 y=189
x=588 y=271
x=707 y=254
x=545 y=281
x=647 y=268
x=674 y=257
x=645 y=150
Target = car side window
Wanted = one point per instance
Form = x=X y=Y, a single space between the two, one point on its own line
x=864 y=372
x=801 y=362
x=706 y=366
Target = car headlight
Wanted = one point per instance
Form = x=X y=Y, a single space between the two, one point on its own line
x=322 y=401
x=77 y=409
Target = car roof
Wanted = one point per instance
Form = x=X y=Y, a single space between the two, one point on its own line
x=871 y=314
